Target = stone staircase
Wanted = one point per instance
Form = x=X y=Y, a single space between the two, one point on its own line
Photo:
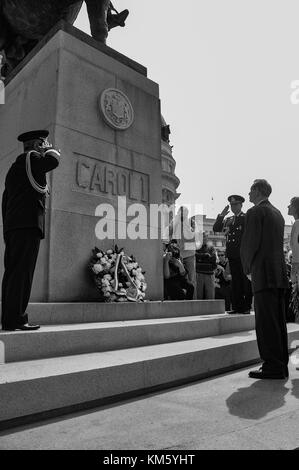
x=87 y=354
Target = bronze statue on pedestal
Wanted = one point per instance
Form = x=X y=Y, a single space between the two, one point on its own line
x=23 y=23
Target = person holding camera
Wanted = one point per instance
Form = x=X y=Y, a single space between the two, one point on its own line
x=23 y=214
x=180 y=230
x=176 y=283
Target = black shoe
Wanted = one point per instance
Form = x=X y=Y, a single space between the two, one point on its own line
x=117 y=19
x=28 y=327
x=232 y=312
x=246 y=312
x=260 y=374
x=25 y=327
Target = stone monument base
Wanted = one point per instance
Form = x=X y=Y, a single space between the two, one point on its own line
x=58 y=87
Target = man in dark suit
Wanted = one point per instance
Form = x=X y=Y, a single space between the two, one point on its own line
x=23 y=213
x=263 y=261
x=233 y=227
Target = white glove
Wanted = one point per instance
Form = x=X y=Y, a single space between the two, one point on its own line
x=54 y=152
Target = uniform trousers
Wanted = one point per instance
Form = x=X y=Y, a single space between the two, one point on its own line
x=240 y=285
x=224 y=292
x=271 y=330
x=21 y=251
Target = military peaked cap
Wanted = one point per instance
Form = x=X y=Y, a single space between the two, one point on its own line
x=32 y=135
x=236 y=198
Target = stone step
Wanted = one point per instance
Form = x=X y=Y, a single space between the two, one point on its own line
x=49 y=387
x=65 y=340
x=62 y=313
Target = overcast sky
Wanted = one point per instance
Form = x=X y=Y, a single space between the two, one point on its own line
x=225 y=69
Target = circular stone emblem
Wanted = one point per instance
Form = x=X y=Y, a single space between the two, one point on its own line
x=117 y=109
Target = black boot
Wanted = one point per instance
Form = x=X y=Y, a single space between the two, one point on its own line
x=117 y=19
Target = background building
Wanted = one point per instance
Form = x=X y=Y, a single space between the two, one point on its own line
x=170 y=181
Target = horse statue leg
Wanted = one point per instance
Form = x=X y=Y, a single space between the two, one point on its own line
x=5 y=64
x=97 y=13
x=3 y=28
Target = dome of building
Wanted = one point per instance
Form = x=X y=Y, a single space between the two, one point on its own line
x=170 y=181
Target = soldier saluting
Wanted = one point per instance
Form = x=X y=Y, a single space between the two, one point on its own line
x=23 y=213
x=233 y=227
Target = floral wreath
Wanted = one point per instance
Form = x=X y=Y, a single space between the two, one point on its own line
x=118 y=277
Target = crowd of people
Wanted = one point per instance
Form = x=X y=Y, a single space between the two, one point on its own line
x=208 y=270
x=194 y=269
x=211 y=280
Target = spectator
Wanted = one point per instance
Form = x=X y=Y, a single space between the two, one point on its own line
x=180 y=229
x=197 y=227
x=206 y=263
x=176 y=283
x=293 y=210
x=286 y=255
x=290 y=317
x=223 y=281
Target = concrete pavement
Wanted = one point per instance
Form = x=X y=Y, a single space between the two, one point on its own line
x=230 y=411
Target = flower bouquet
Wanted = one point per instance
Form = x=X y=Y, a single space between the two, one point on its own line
x=118 y=277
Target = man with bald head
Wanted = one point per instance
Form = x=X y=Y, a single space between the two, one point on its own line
x=263 y=262
x=23 y=214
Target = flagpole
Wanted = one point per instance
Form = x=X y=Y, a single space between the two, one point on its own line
x=213 y=207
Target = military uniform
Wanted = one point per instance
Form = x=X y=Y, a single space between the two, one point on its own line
x=233 y=227
x=23 y=214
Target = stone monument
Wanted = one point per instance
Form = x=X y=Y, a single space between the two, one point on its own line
x=104 y=114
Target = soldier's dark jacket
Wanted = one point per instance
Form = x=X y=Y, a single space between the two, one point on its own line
x=233 y=227
x=22 y=205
